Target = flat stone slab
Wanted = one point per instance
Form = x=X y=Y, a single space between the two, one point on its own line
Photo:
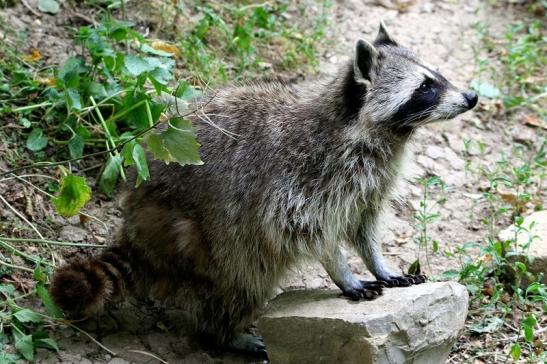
x=417 y=324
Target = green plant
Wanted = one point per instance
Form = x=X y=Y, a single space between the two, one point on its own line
x=231 y=41
x=495 y=270
x=517 y=67
x=425 y=216
x=106 y=95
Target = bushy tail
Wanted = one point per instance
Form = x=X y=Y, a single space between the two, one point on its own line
x=84 y=287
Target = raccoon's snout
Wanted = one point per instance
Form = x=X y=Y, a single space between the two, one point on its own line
x=471 y=99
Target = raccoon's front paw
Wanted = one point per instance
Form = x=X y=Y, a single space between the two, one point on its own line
x=403 y=280
x=367 y=290
x=251 y=344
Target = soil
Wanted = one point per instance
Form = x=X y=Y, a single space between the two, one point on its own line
x=441 y=32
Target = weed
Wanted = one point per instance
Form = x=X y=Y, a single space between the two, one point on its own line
x=495 y=270
x=425 y=215
x=101 y=105
x=516 y=68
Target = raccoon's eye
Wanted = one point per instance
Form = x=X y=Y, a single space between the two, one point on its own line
x=426 y=85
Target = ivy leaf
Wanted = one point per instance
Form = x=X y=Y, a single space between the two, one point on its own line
x=176 y=144
x=76 y=146
x=26 y=315
x=48 y=6
x=24 y=345
x=36 y=140
x=110 y=175
x=47 y=301
x=73 y=195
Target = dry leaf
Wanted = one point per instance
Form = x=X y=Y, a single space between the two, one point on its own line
x=47 y=81
x=83 y=219
x=33 y=56
x=399 y=5
x=533 y=120
x=166 y=47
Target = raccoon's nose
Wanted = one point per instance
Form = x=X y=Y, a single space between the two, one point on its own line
x=471 y=99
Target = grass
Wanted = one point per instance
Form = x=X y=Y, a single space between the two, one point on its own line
x=94 y=112
x=508 y=303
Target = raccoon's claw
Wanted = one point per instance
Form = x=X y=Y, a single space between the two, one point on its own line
x=369 y=290
x=416 y=278
x=251 y=344
x=403 y=281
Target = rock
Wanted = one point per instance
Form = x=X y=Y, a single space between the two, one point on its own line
x=118 y=361
x=455 y=161
x=434 y=152
x=535 y=226
x=523 y=135
x=73 y=233
x=455 y=179
x=417 y=324
x=126 y=346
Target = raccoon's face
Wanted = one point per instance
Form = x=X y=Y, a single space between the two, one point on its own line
x=403 y=92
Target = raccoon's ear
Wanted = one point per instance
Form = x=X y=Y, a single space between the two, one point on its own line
x=365 y=60
x=384 y=37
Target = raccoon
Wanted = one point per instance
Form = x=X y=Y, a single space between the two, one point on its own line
x=299 y=169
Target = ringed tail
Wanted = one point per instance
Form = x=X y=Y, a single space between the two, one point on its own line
x=85 y=287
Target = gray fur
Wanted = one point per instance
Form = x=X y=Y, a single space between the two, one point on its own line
x=300 y=170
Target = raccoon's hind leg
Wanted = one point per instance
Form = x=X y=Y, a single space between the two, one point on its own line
x=336 y=266
x=221 y=315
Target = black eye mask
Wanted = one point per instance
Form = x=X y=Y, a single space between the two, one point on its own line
x=421 y=105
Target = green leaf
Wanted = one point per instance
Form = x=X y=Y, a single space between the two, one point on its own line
x=110 y=175
x=36 y=140
x=73 y=99
x=515 y=351
x=69 y=74
x=176 y=144
x=135 y=66
x=48 y=6
x=73 y=195
x=24 y=345
x=414 y=267
x=25 y=122
x=7 y=289
x=485 y=89
x=26 y=315
x=47 y=301
x=47 y=343
x=435 y=246
x=76 y=146
x=97 y=90
x=139 y=158
x=6 y=358
x=39 y=274
x=187 y=92
x=138 y=117
x=528 y=333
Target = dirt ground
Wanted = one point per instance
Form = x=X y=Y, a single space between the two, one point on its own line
x=442 y=33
